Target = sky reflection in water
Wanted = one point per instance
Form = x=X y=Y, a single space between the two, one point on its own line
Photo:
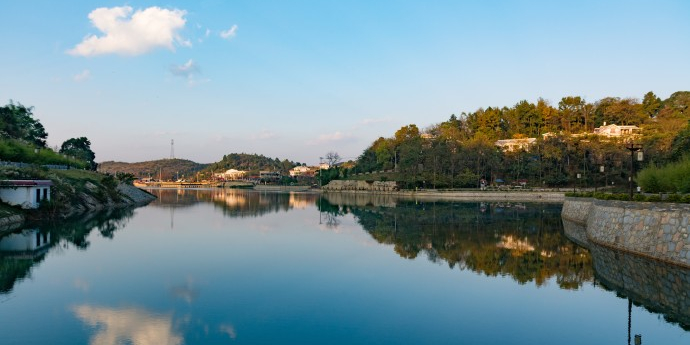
x=207 y=267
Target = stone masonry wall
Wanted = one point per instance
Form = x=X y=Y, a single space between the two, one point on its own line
x=657 y=230
x=372 y=186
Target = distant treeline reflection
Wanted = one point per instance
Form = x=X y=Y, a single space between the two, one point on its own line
x=235 y=202
x=23 y=249
x=523 y=241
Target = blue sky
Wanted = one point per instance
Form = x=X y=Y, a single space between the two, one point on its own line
x=296 y=79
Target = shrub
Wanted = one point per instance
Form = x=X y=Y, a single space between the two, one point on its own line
x=674 y=177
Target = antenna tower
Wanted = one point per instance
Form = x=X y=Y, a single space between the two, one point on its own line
x=172 y=148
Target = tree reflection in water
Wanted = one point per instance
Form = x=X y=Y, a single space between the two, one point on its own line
x=523 y=241
x=17 y=260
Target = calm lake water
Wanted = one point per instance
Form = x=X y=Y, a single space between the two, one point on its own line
x=245 y=267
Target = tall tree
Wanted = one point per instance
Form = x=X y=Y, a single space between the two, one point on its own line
x=17 y=122
x=651 y=104
x=80 y=148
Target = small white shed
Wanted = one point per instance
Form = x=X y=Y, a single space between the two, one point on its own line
x=26 y=193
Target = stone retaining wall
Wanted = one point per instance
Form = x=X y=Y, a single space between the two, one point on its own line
x=372 y=186
x=656 y=230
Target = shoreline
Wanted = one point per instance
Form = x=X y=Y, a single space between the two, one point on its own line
x=522 y=196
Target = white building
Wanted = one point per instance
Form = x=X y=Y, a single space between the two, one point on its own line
x=301 y=171
x=26 y=193
x=512 y=145
x=232 y=174
x=614 y=130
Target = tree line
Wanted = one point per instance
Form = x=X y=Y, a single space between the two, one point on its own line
x=461 y=151
x=23 y=139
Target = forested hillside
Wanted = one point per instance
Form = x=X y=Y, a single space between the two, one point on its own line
x=461 y=151
x=252 y=163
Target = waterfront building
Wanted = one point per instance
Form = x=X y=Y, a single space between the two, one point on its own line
x=26 y=193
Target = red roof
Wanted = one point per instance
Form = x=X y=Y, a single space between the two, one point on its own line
x=25 y=183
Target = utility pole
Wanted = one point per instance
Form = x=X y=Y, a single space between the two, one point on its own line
x=633 y=148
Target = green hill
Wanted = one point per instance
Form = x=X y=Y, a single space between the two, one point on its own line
x=252 y=163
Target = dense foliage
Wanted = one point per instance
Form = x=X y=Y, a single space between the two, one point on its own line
x=17 y=122
x=671 y=178
x=79 y=148
x=461 y=151
x=23 y=140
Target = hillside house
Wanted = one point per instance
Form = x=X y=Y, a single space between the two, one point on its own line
x=25 y=193
x=513 y=145
x=614 y=130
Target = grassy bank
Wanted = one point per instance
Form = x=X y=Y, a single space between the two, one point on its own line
x=73 y=191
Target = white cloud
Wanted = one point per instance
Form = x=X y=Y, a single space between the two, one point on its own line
x=331 y=138
x=82 y=76
x=208 y=32
x=132 y=33
x=229 y=33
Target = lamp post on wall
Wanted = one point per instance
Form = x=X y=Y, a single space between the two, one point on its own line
x=632 y=147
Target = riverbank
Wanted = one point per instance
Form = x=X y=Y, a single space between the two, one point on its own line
x=74 y=192
x=656 y=230
x=520 y=196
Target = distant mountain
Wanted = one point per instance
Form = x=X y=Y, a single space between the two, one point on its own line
x=168 y=169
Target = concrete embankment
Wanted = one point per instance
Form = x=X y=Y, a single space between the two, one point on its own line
x=391 y=188
x=655 y=230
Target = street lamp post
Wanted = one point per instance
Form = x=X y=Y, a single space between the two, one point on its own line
x=632 y=147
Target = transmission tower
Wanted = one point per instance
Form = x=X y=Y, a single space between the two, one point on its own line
x=172 y=148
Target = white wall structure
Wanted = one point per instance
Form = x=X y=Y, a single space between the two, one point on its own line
x=25 y=193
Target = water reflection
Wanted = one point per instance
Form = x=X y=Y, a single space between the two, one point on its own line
x=235 y=202
x=658 y=287
x=128 y=326
x=523 y=241
x=23 y=249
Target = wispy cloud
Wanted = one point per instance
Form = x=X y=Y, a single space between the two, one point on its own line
x=264 y=135
x=229 y=33
x=186 y=70
x=331 y=138
x=189 y=70
x=129 y=32
x=82 y=76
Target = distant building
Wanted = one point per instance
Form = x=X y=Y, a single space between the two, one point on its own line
x=232 y=174
x=25 y=193
x=614 y=130
x=512 y=145
x=301 y=171
x=269 y=175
